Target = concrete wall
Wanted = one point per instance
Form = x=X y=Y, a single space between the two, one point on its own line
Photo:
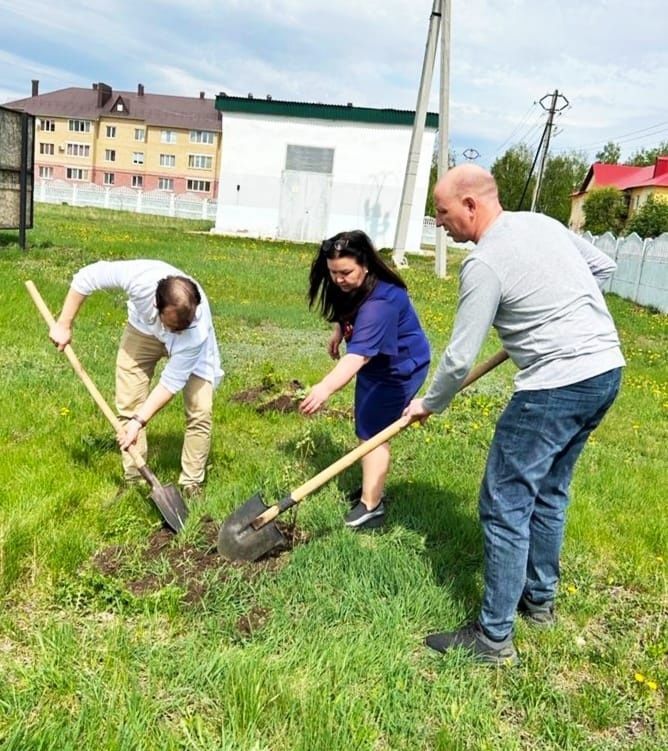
x=367 y=175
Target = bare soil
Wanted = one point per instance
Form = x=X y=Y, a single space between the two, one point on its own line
x=281 y=399
x=193 y=567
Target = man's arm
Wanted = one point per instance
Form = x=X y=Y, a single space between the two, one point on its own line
x=61 y=331
x=601 y=265
x=480 y=293
x=155 y=401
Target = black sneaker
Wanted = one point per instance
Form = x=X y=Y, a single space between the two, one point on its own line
x=355 y=496
x=538 y=615
x=474 y=639
x=360 y=515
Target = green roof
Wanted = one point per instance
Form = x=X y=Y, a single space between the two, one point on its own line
x=316 y=110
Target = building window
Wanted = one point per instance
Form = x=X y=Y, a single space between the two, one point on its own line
x=168 y=136
x=109 y=178
x=111 y=131
x=120 y=107
x=110 y=155
x=137 y=157
x=76 y=173
x=80 y=126
x=165 y=183
x=78 y=149
x=140 y=134
x=200 y=161
x=49 y=125
x=46 y=173
x=167 y=160
x=46 y=148
x=201 y=136
x=199 y=186
x=137 y=181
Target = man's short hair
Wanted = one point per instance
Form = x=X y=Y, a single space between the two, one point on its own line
x=181 y=296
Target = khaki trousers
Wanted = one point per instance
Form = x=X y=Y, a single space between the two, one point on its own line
x=137 y=357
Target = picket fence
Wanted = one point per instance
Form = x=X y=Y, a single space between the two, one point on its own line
x=160 y=202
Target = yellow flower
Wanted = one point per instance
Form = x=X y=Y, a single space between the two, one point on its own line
x=640 y=678
x=571 y=589
x=652 y=685
x=64 y=411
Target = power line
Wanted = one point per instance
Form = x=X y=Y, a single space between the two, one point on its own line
x=525 y=117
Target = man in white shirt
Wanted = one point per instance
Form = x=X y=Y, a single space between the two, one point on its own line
x=539 y=285
x=168 y=316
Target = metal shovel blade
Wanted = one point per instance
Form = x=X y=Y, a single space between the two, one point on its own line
x=239 y=541
x=170 y=504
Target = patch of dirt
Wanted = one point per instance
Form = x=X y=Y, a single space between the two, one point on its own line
x=252 y=621
x=267 y=398
x=193 y=567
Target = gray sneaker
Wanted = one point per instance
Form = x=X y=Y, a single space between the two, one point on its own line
x=537 y=614
x=360 y=515
x=473 y=639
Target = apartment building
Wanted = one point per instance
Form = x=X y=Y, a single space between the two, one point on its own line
x=126 y=139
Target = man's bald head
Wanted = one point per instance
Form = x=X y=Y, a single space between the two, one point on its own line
x=467 y=202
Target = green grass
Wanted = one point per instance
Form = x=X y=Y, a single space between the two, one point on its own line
x=114 y=636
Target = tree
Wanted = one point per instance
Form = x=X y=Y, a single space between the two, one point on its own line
x=651 y=220
x=510 y=172
x=609 y=154
x=563 y=175
x=605 y=211
x=645 y=157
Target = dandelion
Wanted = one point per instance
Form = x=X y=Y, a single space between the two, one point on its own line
x=639 y=677
x=652 y=685
x=64 y=411
x=571 y=589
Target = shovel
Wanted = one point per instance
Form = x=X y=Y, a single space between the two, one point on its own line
x=166 y=497
x=250 y=532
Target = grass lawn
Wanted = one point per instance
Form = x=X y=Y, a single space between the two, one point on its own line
x=116 y=635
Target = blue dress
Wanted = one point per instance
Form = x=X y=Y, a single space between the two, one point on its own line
x=386 y=329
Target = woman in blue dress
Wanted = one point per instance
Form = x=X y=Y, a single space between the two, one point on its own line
x=386 y=349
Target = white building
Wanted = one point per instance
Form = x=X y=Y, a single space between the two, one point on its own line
x=303 y=172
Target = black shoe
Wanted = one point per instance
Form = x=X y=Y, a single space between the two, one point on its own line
x=474 y=639
x=360 y=515
x=538 y=615
x=355 y=496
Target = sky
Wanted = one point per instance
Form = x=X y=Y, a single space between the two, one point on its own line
x=607 y=58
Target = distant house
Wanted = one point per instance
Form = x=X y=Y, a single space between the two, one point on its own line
x=304 y=171
x=126 y=138
x=637 y=183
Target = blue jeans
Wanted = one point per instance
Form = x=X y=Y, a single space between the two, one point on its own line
x=524 y=492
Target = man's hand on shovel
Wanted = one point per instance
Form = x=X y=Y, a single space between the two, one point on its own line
x=128 y=435
x=417 y=411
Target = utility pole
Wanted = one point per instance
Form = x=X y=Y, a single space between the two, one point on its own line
x=412 y=163
x=546 y=140
x=441 y=248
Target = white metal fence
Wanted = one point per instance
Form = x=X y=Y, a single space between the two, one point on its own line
x=642 y=265
x=163 y=203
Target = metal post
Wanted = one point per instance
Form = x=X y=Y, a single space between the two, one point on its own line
x=441 y=261
x=408 y=189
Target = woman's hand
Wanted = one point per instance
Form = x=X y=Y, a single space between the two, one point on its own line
x=335 y=341
x=318 y=395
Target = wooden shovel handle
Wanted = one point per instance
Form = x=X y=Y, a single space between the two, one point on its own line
x=137 y=458
x=364 y=448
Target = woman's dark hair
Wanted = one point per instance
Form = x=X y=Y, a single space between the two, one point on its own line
x=334 y=304
x=181 y=296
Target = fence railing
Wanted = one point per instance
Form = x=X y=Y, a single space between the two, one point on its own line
x=160 y=202
x=642 y=267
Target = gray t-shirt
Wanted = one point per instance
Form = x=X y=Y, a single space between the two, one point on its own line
x=539 y=285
